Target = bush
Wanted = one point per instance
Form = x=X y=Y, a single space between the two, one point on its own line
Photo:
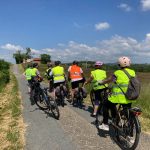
x=4 y=73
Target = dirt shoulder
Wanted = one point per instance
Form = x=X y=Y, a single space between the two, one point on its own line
x=11 y=121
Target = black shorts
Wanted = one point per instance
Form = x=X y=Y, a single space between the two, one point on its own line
x=58 y=84
x=75 y=84
x=98 y=95
x=29 y=82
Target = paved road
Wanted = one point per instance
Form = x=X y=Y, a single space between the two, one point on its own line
x=73 y=131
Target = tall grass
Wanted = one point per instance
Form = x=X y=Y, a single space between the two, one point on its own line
x=144 y=100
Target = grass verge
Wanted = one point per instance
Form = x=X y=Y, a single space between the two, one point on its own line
x=12 y=127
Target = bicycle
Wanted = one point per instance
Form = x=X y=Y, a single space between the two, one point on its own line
x=78 y=97
x=126 y=124
x=42 y=100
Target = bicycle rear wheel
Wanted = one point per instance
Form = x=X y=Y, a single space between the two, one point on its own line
x=128 y=136
x=62 y=98
x=54 y=108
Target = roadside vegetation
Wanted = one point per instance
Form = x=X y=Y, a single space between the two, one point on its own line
x=11 y=122
x=4 y=74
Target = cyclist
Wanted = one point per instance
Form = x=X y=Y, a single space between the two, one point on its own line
x=35 y=71
x=117 y=96
x=75 y=74
x=58 y=75
x=28 y=75
x=47 y=74
x=97 y=75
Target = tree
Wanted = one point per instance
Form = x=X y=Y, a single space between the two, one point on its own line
x=18 y=57
x=28 y=53
x=45 y=58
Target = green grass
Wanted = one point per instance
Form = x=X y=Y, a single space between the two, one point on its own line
x=12 y=136
x=15 y=104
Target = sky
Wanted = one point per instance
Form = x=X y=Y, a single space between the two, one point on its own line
x=70 y=30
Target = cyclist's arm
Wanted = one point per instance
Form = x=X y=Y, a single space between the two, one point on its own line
x=110 y=79
x=89 y=80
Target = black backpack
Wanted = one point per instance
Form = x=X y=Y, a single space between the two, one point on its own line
x=134 y=87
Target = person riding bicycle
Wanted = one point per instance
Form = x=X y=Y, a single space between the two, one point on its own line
x=75 y=74
x=35 y=73
x=117 y=96
x=28 y=75
x=58 y=75
x=97 y=75
x=47 y=74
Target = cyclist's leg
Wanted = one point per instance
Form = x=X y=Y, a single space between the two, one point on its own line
x=74 y=86
x=108 y=105
x=55 y=85
x=96 y=102
x=29 y=86
x=50 y=85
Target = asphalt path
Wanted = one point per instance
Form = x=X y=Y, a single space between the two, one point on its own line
x=74 y=130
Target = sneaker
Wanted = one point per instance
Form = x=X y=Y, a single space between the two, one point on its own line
x=130 y=139
x=93 y=115
x=104 y=127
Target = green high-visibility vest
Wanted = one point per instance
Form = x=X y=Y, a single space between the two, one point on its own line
x=98 y=75
x=122 y=80
x=34 y=70
x=58 y=73
x=28 y=73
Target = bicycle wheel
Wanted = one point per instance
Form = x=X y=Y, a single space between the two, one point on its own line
x=129 y=133
x=54 y=108
x=92 y=97
x=80 y=98
x=40 y=100
x=62 y=97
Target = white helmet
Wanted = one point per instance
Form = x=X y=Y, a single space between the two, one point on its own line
x=124 y=61
x=98 y=63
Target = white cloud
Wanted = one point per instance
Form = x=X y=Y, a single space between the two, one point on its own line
x=106 y=50
x=102 y=26
x=11 y=47
x=125 y=7
x=145 y=5
x=35 y=52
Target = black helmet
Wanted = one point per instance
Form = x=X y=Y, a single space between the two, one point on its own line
x=57 y=63
x=35 y=65
x=75 y=62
